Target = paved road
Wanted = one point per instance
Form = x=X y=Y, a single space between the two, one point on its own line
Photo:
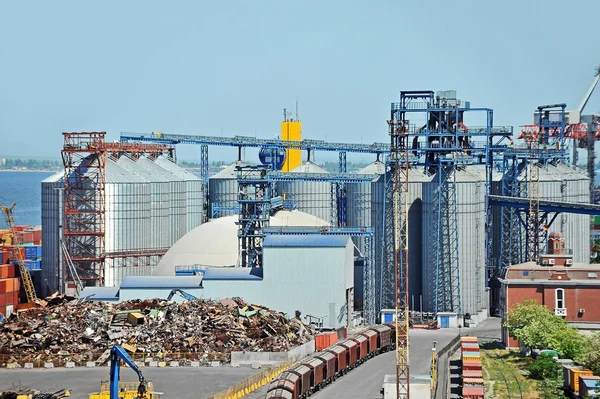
x=182 y=382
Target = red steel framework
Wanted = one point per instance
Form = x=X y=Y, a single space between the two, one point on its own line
x=84 y=157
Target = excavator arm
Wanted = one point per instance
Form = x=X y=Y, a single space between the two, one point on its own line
x=117 y=353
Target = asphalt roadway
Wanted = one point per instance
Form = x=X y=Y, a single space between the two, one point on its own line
x=180 y=382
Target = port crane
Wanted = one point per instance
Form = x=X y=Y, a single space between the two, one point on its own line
x=18 y=254
x=117 y=353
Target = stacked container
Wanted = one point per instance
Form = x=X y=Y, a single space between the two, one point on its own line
x=472 y=371
x=589 y=386
x=9 y=290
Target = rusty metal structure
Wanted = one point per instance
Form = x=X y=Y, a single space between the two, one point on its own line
x=85 y=156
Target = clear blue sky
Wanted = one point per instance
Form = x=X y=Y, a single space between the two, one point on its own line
x=230 y=67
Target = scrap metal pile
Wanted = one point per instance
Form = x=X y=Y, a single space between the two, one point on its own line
x=15 y=393
x=200 y=330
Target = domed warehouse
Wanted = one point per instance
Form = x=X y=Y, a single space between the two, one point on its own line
x=215 y=243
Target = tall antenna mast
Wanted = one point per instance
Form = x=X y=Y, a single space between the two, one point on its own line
x=297 y=117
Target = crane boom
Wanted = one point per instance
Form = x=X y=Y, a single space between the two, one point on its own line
x=589 y=93
x=117 y=353
x=18 y=255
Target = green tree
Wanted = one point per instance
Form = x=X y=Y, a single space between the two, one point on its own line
x=544 y=367
x=590 y=353
x=567 y=341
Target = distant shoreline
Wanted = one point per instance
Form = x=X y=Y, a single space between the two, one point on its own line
x=29 y=170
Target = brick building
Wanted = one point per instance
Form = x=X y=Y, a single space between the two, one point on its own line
x=569 y=290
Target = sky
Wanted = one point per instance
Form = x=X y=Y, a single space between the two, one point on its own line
x=229 y=68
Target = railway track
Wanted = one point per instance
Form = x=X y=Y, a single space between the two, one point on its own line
x=506 y=379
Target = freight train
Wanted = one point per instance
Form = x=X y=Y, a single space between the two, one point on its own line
x=324 y=367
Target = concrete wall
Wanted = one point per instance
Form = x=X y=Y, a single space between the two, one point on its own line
x=249 y=358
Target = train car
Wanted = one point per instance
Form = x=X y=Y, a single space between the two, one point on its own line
x=352 y=353
x=472 y=374
x=279 y=394
x=341 y=354
x=384 y=334
x=286 y=381
x=372 y=340
x=319 y=374
x=363 y=346
x=330 y=364
x=306 y=375
x=473 y=392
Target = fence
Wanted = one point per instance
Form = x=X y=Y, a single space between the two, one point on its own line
x=253 y=382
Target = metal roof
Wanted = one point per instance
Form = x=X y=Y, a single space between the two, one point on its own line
x=155 y=168
x=140 y=171
x=118 y=174
x=54 y=178
x=277 y=241
x=233 y=273
x=229 y=172
x=162 y=282
x=375 y=168
x=96 y=293
x=309 y=167
x=175 y=169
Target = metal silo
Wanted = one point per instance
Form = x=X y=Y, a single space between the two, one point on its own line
x=415 y=219
x=470 y=218
x=177 y=199
x=312 y=197
x=358 y=201
x=159 y=203
x=52 y=205
x=223 y=191
x=127 y=221
x=194 y=195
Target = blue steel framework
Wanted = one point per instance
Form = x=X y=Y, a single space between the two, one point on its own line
x=544 y=145
x=442 y=144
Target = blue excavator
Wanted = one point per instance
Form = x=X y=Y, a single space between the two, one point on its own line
x=184 y=294
x=117 y=353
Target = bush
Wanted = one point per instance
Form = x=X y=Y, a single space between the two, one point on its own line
x=544 y=367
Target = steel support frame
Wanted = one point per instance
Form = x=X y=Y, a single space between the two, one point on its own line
x=511 y=230
x=204 y=178
x=254 y=198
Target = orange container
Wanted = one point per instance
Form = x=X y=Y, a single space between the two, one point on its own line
x=2 y=286
x=472 y=392
x=472 y=374
x=16 y=298
x=574 y=377
x=325 y=340
x=2 y=299
x=471 y=365
x=10 y=285
x=17 y=284
x=7 y=271
x=468 y=339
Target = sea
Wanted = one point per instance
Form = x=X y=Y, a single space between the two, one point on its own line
x=25 y=189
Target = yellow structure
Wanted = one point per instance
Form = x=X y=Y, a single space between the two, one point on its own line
x=291 y=131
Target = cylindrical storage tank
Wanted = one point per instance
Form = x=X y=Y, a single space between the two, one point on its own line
x=470 y=226
x=358 y=200
x=52 y=213
x=195 y=198
x=223 y=192
x=309 y=196
x=177 y=199
x=266 y=157
x=159 y=203
x=383 y=257
x=575 y=188
x=127 y=221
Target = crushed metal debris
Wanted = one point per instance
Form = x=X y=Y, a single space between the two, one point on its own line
x=201 y=330
x=33 y=394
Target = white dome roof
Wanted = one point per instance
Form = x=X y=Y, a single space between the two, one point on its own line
x=375 y=168
x=309 y=167
x=216 y=244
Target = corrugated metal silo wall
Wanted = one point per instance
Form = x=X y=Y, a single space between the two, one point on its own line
x=51 y=222
x=177 y=210
x=159 y=214
x=358 y=200
x=415 y=221
x=470 y=201
x=223 y=192
x=313 y=198
x=194 y=204
x=128 y=224
x=571 y=186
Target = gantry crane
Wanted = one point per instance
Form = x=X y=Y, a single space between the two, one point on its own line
x=18 y=255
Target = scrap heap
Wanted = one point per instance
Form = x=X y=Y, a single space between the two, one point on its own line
x=33 y=394
x=70 y=330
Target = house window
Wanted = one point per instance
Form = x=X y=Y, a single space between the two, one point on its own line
x=526 y=273
x=559 y=298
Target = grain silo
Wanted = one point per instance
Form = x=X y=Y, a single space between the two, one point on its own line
x=195 y=198
x=417 y=179
x=177 y=199
x=470 y=219
x=358 y=201
x=159 y=203
x=223 y=191
x=52 y=205
x=127 y=221
x=313 y=197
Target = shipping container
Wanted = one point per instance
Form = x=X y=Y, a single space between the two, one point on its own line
x=4 y=256
x=471 y=365
x=467 y=356
x=574 y=375
x=470 y=381
x=472 y=393
x=468 y=339
x=589 y=386
x=33 y=252
x=472 y=373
